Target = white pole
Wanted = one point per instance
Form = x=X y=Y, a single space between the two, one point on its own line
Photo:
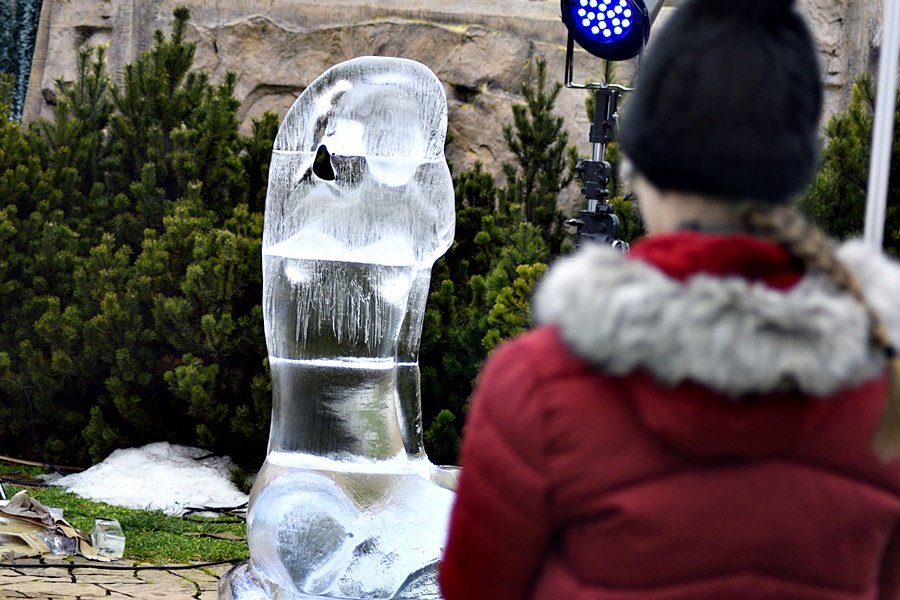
x=883 y=135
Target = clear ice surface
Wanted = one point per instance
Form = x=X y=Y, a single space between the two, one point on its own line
x=359 y=206
x=107 y=538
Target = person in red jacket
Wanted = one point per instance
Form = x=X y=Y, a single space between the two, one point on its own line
x=709 y=416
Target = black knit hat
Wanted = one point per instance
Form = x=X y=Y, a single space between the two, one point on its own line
x=728 y=102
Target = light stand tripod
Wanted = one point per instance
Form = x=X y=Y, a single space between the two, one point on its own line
x=598 y=223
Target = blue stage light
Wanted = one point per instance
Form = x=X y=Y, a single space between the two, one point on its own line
x=610 y=29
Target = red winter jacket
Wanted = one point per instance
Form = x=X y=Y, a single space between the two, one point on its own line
x=692 y=421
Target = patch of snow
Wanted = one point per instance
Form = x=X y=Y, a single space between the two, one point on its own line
x=159 y=476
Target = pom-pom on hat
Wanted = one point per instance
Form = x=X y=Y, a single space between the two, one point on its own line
x=728 y=102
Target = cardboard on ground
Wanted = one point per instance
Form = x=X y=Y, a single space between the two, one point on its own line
x=26 y=524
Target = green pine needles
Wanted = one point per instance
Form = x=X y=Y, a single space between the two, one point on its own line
x=130 y=283
x=836 y=200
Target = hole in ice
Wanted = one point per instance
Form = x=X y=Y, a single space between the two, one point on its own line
x=322 y=164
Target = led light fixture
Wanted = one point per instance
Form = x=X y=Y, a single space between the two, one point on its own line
x=610 y=29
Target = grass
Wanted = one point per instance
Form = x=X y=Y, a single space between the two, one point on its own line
x=150 y=536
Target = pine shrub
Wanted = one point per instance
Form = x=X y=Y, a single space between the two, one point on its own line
x=836 y=200
x=130 y=277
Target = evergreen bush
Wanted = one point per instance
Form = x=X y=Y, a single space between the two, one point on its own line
x=130 y=276
x=836 y=200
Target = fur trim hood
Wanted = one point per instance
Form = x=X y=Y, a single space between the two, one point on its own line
x=735 y=336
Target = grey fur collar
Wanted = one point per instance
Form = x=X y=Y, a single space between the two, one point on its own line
x=729 y=334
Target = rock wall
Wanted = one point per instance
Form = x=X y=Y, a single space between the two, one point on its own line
x=479 y=49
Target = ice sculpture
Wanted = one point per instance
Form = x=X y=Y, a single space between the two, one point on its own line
x=359 y=206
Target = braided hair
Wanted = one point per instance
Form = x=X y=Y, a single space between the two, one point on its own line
x=784 y=225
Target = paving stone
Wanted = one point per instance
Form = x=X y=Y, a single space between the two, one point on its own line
x=46 y=573
x=35 y=575
x=199 y=577
x=12 y=576
x=56 y=583
x=148 y=593
x=176 y=588
x=61 y=589
x=87 y=571
x=19 y=587
x=107 y=594
x=151 y=593
x=160 y=577
x=219 y=570
x=103 y=578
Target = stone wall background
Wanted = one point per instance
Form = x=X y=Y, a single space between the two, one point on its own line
x=479 y=49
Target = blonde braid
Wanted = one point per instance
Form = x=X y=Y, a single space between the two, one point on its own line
x=784 y=225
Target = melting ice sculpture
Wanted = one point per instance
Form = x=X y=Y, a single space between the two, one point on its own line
x=359 y=206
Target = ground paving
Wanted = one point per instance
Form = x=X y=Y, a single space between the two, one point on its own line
x=85 y=580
